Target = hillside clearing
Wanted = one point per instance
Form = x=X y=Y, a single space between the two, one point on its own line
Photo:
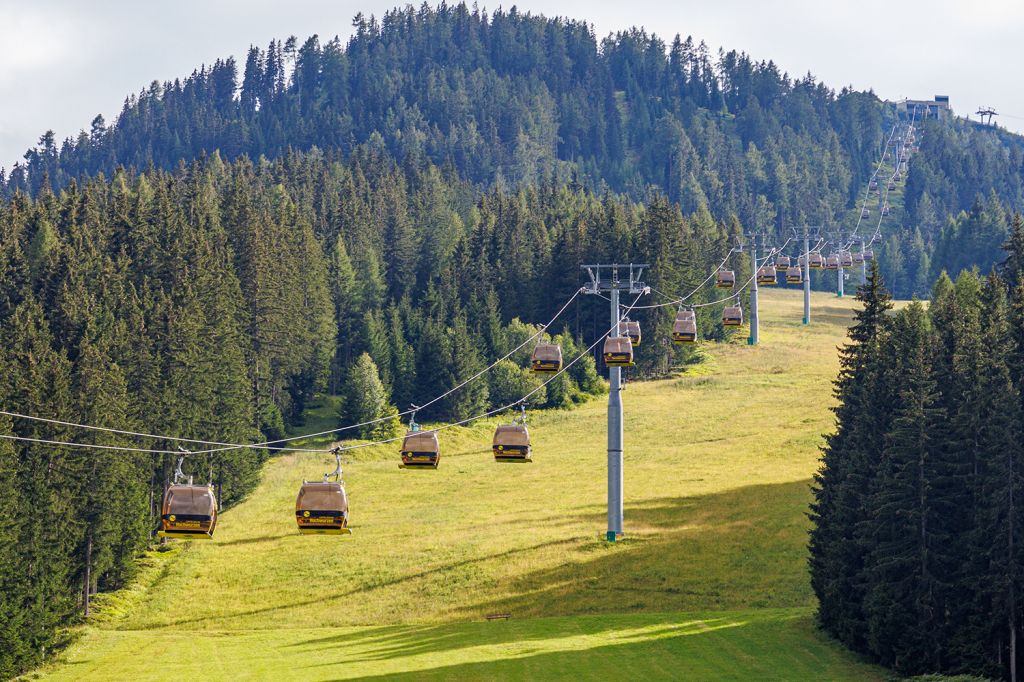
x=717 y=473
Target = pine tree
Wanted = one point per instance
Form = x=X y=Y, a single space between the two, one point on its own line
x=903 y=603
x=997 y=533
x=464 y=361
x=840 y=488
x=342 y=284
x=37 y=381
x=14 y=646
x=1012 y=269
x=367 y=399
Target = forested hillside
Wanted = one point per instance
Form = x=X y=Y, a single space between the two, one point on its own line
x=509 y=99
x=916 y=552
x=381 y=218
x=213 y=301
x=961 y=192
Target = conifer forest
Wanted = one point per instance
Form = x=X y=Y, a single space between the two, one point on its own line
x=379 y=218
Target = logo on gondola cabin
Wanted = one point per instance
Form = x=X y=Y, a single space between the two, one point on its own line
x=172 y=517
x=306 y=514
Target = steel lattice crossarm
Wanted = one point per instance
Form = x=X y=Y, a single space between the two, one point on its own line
x=608 y=277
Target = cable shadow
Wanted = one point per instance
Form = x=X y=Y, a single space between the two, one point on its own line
x=249 y=541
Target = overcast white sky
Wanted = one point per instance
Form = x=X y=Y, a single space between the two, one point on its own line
x=64 y=61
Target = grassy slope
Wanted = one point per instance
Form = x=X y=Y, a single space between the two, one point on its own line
x=709 y=583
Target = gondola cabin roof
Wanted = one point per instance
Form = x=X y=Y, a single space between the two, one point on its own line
x=421 y=441
x=198 y=500
x=618 y=351
x=726 y=279
x=511 y=434
x=631 y=330
x=322 y=496
x=686 y=315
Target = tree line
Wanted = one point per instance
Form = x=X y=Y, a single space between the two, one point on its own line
x=915 y=553
x=509 y=98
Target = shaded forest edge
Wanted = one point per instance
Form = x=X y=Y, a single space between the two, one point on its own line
x=916 y=547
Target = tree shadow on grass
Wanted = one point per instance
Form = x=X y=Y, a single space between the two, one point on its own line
x=774 y=644
x=739 y=549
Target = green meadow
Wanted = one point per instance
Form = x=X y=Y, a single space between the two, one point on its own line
x=709 y=583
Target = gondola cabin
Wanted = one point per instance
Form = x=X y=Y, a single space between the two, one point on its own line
x=865 y=213
x=512 y=443
x=846 y=259
x=873 y=186
x=547 y=358
x=794 y=275
x=892 y=186
x=684 y=329
x=321 y=508
x=767 y=275
x=726 y=279
x=631 y=330
x=782 y=263
x=869 y=255
x=420 y=450
x=858 y=257
x=732 y=316
x=832 y=262
x=189 y=511
x=885 y=210
x=816 y=261
x=618 y=352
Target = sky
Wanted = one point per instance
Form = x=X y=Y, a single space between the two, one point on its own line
x=64 y=61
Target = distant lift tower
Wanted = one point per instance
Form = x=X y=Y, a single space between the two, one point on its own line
x=806 y=233
x=755 y=318
x=612 y=279
x=986 y=113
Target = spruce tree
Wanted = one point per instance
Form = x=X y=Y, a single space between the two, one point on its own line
x=841 y=486
x=367 y=399
x=997 y=532
x=903 y=602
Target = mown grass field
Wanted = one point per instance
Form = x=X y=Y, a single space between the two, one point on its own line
x=710 y=581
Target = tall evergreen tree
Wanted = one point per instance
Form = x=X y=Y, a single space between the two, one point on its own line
x=842 y=484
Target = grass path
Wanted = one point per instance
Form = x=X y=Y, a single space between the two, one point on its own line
x=710 y=581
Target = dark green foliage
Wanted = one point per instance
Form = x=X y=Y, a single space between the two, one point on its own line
x=842 y=485
x=214 y=301
x=916 y=548
x=366 y=399
x=507 y=99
